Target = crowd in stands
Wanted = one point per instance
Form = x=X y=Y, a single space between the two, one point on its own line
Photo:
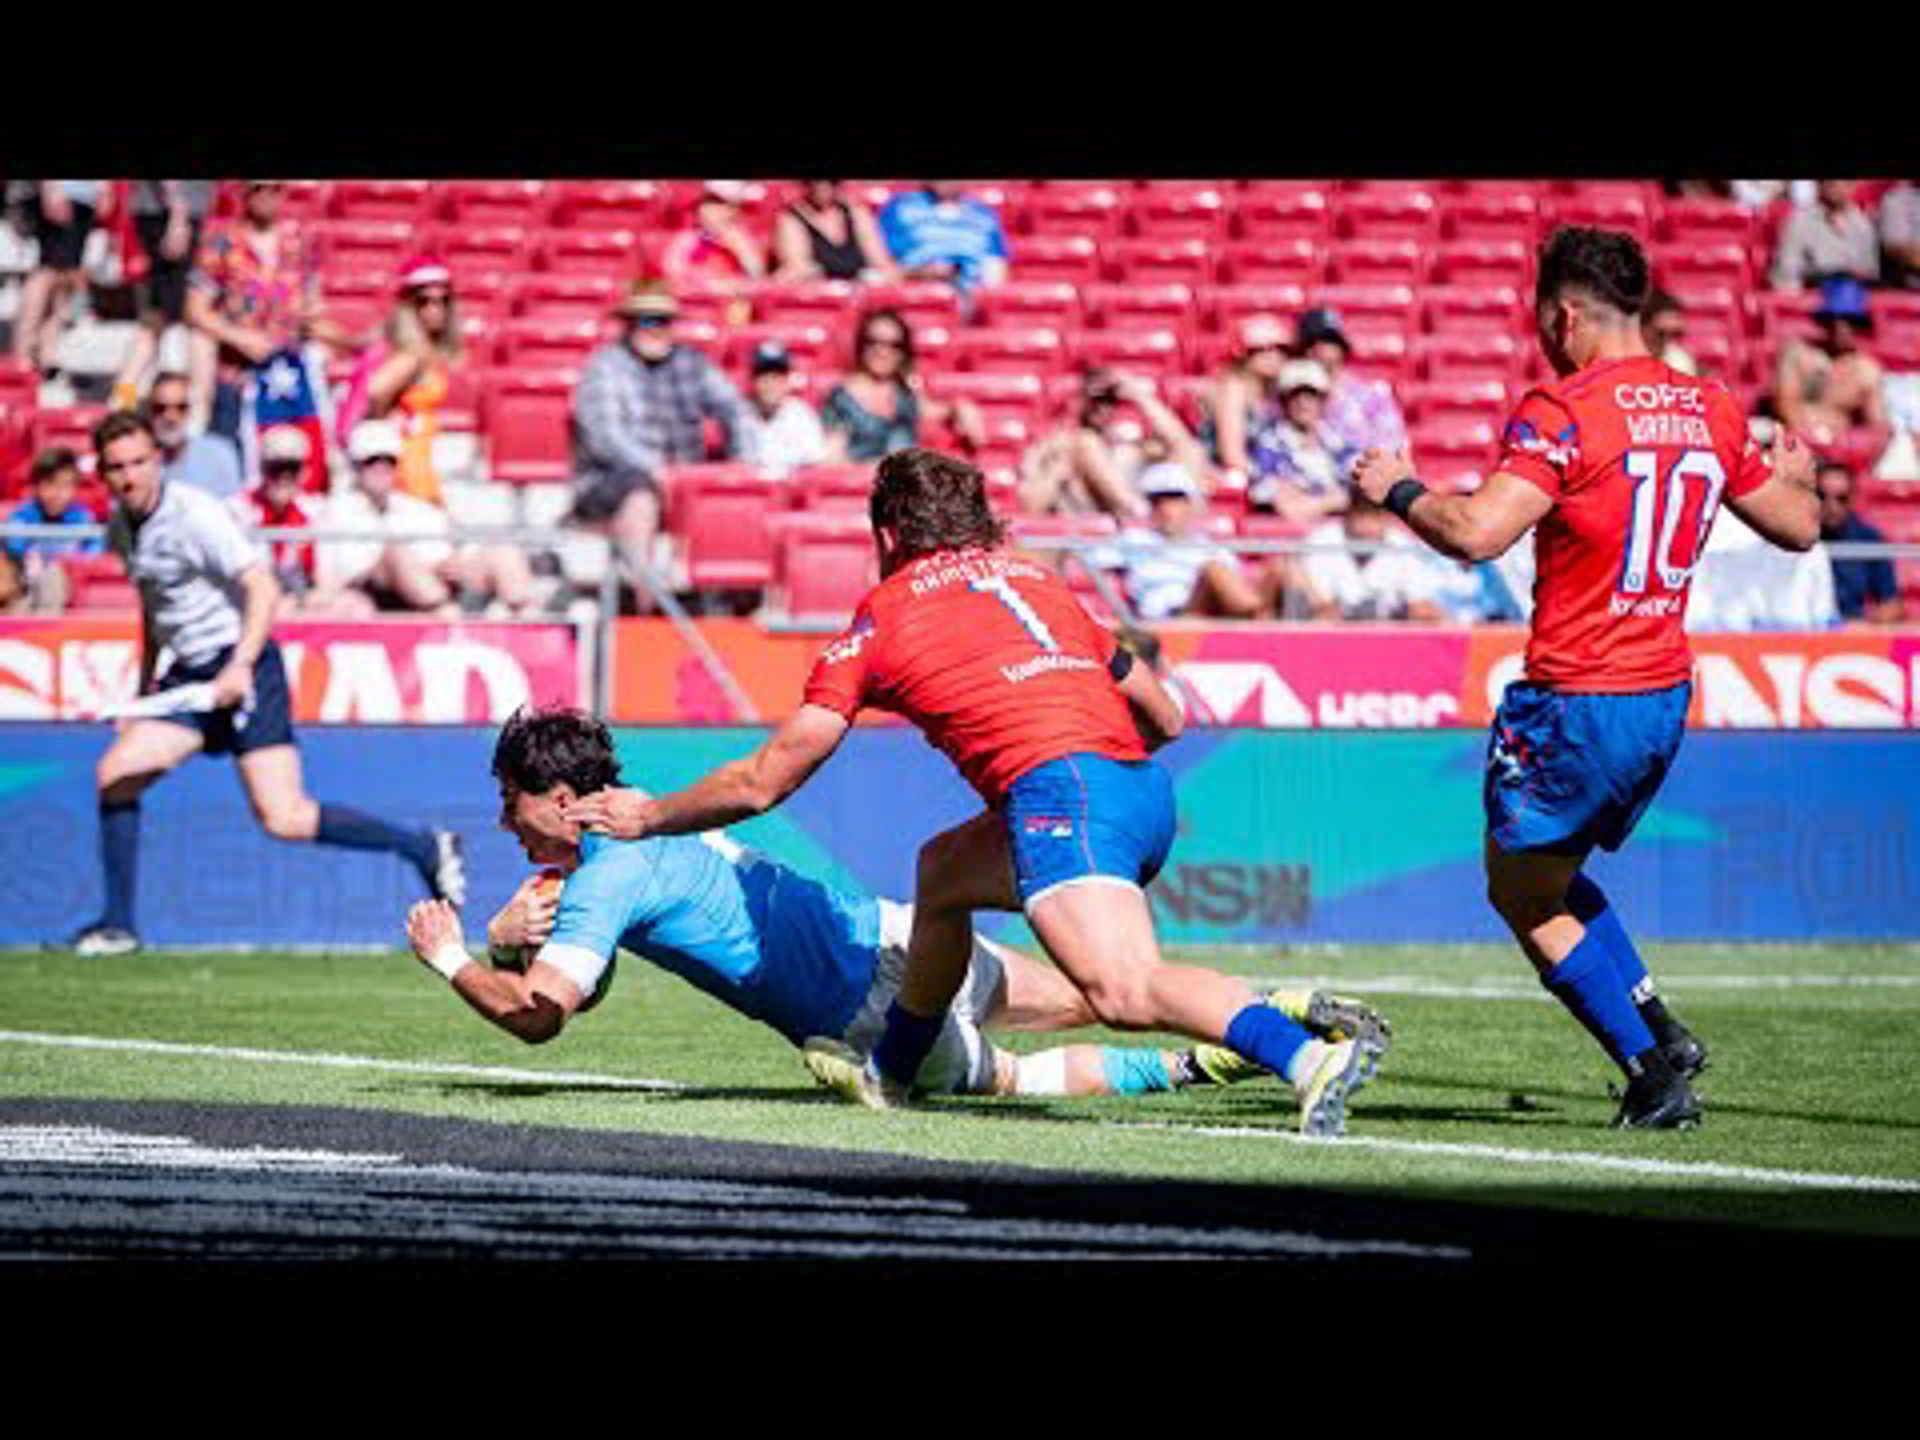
x=1158 y=369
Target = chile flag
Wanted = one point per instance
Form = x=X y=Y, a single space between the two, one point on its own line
x=289 y=388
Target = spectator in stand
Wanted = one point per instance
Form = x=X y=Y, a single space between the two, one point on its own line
x=55 y=481
x=1362 y=414
x=1245 y=398
x=1663 y=325
x=1394 y=583
x=14 y=599
x=938 y=232
x=167 y=217
x=1832 y=384
x=1900 y=235
x=206 y=462
x=404 y=376
x=1170 y=572
x=430 y=576
x=254 y=290
x=275 y=503
x=1833 y=236
x=716 y=242
x=63 y=215
x=1863 y=590
x=1300 y=463
x=790 y=433
x=825 y=236
x=642 y=404
x=1091 y=463
x=876 y=408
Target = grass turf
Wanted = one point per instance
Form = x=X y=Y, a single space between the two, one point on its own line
x=1806 y=1077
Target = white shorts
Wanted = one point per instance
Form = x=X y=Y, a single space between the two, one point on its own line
x=961 y=1061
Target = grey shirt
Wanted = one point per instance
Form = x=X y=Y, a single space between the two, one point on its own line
x=148 y=198
x=1815 y=243
x=629 y=416
x=186 y=559
x=206 y=462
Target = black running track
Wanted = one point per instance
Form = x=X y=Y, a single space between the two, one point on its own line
x=124 y=1180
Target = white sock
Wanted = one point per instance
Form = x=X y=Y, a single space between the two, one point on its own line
x=1306 y=1060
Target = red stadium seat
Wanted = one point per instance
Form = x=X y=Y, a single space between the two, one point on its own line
x=919 y=302
x=1068 y=526
x=1383 y=301
x=491 y=249
x=409 y=202
x=477 y=203
x=527 y=418
x=1072 y=206
x=71 y=426
x=721 y=514
x=1031 y=302
x=1230 y=304
x=1152 y=351
x=1370 y=261
x=357 y=303
x=1006 y=440
x=1122 y=305
x=1282 y=214
x=1717 y=301
x=833 y=487
x=1461 y=307
x=1023 y=349
x=1022 y=396
x=1455 y=454
x=609 y=205
x=618 y=253
x=1498 y=215
x=813 y=346
x=822 y=302
x=19 y=383
x=549 y=296
x=1378 y=354
x=1700 y=264
x=1387 y=214
x=537 y=343
x=1149 y=261
x=363 y=245
x=1611 y=210
x=1455 y=400
x=1782 y=314
x=1071 y=258
x=826 y=562
x=1483 y=263
x=1699 y=218
x=1293 y=261
x=1177 y=210
x=98 y=585
x=1471 y=356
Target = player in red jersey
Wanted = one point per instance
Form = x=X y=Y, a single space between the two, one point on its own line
x=1621 y=464
x=1005 y=672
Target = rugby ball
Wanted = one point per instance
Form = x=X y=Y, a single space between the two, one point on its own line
x=518 y=957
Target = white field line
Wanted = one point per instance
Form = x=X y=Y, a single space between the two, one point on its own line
x=1505 y=987
x=1705 y=1170
x=1677 y=1169
x=337 y=1062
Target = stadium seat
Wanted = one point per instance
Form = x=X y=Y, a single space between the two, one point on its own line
x=363 y=245
x=70 y=425
x=1071 y=258
x=1483 y=263
x=1072 y=206
x=1470 y=356
x=1700 y=264
x=997 y=393
x=535 y=342
x=1150 y=351
x=1464 y=307
x=1031 y=302
x=549 y=296
x=1005 y=442
x=1387 y=214
x=486 y=203
x=721 y=514
x=1499 y=215
x=98 y=584
x=812 y=345
x=822 y=302
x=618 y=253
x=489 y=249
x=833 y=487
x=1378 y=354
x=1455 y=454
x=1177 y=210
x=1778 y=315
x=1228 y=305
x=19 y=383
x=1287 y=213
x=919 y=302
x=1610 y=209
x=1142 y=262
x=1720 y=302
x=1371 y=261
x=612 y=205
x=1432 y=401
x=1290 y=261
x=1699 y=218
x=1393 y=302
x=1028 y=529
x=527 y=418
x=1023 y=349
x=357 y=302
x=1117 y=306
x=409 y=202
x=825 y=563
x=1190 y=397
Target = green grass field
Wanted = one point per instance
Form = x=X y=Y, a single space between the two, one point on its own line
x=1491 y=1094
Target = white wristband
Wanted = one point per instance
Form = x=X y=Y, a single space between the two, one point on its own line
x=448 y=959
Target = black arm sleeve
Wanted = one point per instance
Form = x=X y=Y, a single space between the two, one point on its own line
x=1121 y=665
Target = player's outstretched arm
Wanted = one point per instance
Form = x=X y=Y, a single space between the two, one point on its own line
x=1479 y=526
x=1785 y=508
x=533 y=1006
x=737 y=791
x=1155 y=713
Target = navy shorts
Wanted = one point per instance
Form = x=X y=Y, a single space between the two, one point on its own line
x=267 y=721
x=1085 y=815
x=1568 y=772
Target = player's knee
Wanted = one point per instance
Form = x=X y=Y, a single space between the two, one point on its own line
x=935 y=873
x=1122 y=1002
x=287 y=822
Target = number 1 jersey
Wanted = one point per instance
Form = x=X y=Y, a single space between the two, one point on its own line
x=1637 y=457
x=991 y=656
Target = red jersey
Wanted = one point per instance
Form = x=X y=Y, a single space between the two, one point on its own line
x=991 y=656
x=283 y=555
x=1637 y=457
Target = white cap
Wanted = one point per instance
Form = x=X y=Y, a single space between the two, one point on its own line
x=1168 y=477
x=283 y=442
x=1304 y=375
x=373 y=440
x=732 y=191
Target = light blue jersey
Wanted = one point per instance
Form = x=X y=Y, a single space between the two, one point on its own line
x=791 y=952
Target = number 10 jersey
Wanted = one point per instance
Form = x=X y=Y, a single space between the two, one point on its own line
x=1637 y=458
x=991 y=656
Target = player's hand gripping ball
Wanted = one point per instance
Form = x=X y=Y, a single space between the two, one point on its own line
x=515 y=935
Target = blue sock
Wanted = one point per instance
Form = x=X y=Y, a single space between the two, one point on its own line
x=1134 y=1071
x=1589 y=986
x=119 y=856
x=904 y=1047
x=341 y=825
x=1591 y=908
x=1266 y=1037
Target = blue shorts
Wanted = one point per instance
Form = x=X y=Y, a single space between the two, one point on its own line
x=1568 y=772
x=267 y=721
x=1086 y=815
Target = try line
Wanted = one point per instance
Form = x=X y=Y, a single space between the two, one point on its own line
x=1700 y=1169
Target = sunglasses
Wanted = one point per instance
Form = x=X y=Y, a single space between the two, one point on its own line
x=653 y=322
x=180 y=408
x=432 y=297
x=882 y=342
x=283 y=467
